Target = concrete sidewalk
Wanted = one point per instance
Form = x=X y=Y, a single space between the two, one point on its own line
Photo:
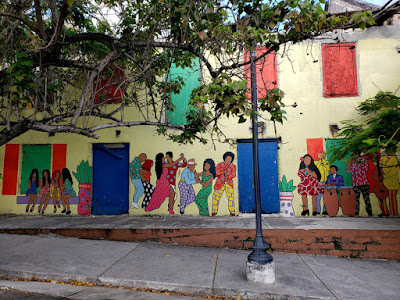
x=243 y=221
x=193 y=270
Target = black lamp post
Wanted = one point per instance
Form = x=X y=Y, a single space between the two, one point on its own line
x=259 y=254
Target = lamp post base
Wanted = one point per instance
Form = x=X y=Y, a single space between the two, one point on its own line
x=261 y=273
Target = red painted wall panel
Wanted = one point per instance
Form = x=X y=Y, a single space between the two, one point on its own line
x=315 y=146
x=267 y=77
x=59 y=157
x=339 y=70
x=10 y=176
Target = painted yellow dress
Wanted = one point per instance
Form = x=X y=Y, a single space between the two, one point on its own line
x=57 y=190
x=390 y=167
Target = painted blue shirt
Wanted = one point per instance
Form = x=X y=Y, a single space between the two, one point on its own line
x=338 y=181
x=188 y=176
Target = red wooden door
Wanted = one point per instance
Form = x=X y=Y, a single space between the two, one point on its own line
x=339 y=70
x=266 y=72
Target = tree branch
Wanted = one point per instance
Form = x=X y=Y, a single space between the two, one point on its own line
x=24 y=21
x=39 y=19
x=63 y=14
x=88 y=84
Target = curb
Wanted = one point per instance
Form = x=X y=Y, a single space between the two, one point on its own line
x=153 y=285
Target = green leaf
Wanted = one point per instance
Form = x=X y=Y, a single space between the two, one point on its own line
x=369 y=141
x=76 y=176
x=284 y=183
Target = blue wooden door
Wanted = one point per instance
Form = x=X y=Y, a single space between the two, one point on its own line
x=269 y=185
x=110 y=179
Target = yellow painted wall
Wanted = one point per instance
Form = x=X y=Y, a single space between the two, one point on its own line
x=378 y=64
x=141 y=139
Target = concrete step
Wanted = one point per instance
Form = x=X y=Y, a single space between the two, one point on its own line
x=370 y=238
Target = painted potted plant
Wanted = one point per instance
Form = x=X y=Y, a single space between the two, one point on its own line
x=286 y=196
x=84 y=177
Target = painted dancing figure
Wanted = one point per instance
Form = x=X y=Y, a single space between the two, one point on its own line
x=225 y=172
x=185 y=185
x=135 y=169
x=206 y=180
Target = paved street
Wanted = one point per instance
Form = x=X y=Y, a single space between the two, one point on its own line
x=202 y=271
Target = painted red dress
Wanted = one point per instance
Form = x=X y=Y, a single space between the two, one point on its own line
x=309 y=185
x=161 y=192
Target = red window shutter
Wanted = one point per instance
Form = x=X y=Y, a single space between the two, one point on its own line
x=59 y=157
x=339 y=70
x=108 y=86
x=315 y=146
x=10 y=176
x=267 y=77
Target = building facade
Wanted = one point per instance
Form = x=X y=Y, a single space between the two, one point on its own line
x=323 y=81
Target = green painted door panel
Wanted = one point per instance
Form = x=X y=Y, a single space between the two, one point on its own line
x=34 y=157
x=191 y=78
x=341 y=164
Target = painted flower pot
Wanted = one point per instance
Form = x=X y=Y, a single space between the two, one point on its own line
x=285 y=201
x=348 y=201
x=85 y=199
x=331 y=201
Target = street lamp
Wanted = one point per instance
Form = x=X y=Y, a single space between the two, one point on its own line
x=260 y=264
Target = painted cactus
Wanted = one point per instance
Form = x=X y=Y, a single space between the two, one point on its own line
x=286 y=196
x=286 y=187
x=84 y=173
x=84 y=177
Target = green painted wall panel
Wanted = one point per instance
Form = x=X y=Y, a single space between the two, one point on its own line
x=34 y=157
x=341 y=164
x=191 y=78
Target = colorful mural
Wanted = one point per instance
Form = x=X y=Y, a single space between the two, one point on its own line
x=358 y=167
x=286 y=197
x=58 y=188
x=171 y=176
x=391 y=167
x=67 y=190
x=84 y=175
x=166 y=177
x=342 y=187
x=225 y=172
x=207 y=177
x=33 y=184
x=135 y=171
x=323 y=181
x=44 y=193
x=188 y=178
x=310 y=184
x=148 y=187
x=55 y=189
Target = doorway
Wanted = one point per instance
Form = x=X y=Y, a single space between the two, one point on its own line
x=110 y=179
x=269 y=181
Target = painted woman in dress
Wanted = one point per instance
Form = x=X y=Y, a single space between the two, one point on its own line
x=33 y=184
x=55 y=189
x=67 y=190
x=44 y=193
x=206 y=180
x=390 y=166
x=310 y=183
x=161 y=192
x=148 y=187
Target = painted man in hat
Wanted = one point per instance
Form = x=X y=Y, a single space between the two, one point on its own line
x=186 y=185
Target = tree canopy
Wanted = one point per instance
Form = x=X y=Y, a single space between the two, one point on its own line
x=380 y=129
x=54 y=52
